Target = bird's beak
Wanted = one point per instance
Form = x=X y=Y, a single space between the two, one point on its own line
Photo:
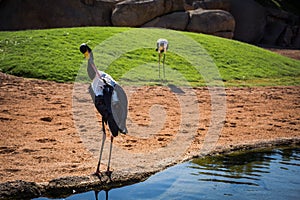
x=87 y=55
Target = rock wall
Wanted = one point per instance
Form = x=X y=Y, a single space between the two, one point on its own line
x=214 y=22
x=245 y=20
x=173 y=14
x=259 y=25
x=137 y=12
x=250 y=19
x=281 y=28
x=39 y=14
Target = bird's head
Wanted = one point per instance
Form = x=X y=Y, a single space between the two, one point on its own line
x=86 y=50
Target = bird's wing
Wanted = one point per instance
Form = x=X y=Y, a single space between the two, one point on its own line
x=119 y=106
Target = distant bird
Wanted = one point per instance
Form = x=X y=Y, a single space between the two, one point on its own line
x=162 y=46
x=109 y=99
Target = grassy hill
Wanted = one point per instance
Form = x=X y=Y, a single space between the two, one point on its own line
x=129 y=55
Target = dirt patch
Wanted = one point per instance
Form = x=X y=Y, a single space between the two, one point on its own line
x=41 y=139
x=291 y=53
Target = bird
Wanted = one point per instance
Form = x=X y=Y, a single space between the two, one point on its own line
x=110 y=101
x=162 y=46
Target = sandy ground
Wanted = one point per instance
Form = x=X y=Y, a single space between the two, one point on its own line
x=43 y=137
x=51 y=130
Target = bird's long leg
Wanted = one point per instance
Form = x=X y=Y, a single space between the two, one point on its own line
x=159 y=65
x=110 y=150
x=101 y=150
x=164 y=65
x=106 y=194
x=96 y=194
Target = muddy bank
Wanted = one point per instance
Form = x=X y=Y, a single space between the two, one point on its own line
x=48 y=131
x=65 y=186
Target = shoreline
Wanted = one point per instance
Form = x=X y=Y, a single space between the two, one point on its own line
x=65 y=186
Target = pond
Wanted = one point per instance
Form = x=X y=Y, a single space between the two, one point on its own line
x=256 y=174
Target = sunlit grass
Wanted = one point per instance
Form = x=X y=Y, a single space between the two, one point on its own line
x=53 y=54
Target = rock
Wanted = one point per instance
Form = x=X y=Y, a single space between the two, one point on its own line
x=249 y=26
x=272 y=32
x=88 y=2
x=46 y=119
x=285 y=39
x=296 y=40
x=211 y=22
x=282 y=15
x=281 y=29
x=224 y=34
x=135 y=13
x=176 y=20
x=188 y=6
x=36 y=14
x=19 y=190
x=212 y=4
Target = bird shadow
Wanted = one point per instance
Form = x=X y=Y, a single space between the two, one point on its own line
x=175 y=89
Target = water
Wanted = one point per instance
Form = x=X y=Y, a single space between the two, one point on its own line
x=268 y=174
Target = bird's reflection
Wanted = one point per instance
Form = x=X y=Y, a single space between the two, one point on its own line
x=97 y=194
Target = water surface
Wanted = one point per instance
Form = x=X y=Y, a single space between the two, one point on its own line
x=264 y=174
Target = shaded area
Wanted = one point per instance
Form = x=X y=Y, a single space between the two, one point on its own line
x=68 y=185
x=175 y=89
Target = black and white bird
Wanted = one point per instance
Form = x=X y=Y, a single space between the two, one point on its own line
x=109 y=99
x=162 y=46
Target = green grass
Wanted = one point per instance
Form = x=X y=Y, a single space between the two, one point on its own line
x=128 y=55
x=245 y=64
x=51 y=54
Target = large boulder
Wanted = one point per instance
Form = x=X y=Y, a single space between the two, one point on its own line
x=273 y=30
x=36 y=14
x=285 y=39
x=212 y=4
x=214 y=22
x=296 y=40
x=175 y=20
x=250 y=18
x=135 y=13
x=281 y=28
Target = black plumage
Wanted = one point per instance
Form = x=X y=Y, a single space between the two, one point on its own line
x=103 y=103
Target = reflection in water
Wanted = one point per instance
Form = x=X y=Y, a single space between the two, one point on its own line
x=268 y=174
x=97 y=195
x=248 y=168
x=236 y=168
